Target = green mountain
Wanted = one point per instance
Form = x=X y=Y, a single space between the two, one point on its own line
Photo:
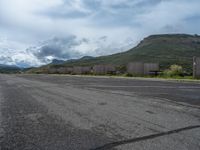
x=165 y=49
x=9 y=69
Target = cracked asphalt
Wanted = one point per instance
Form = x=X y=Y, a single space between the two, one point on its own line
x=52 y=112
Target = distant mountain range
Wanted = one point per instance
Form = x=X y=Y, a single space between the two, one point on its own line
x=166 y=49
x=9 y=69
x=60 y=62
x=57 y=62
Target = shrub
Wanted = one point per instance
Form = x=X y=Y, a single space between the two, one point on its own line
x=128 y=75
x=121 y=69
x=174 y=70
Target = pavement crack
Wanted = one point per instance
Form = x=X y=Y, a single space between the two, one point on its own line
x=144 y=138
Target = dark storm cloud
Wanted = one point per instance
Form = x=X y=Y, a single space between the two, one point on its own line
x=4 y=59
x=59 y=48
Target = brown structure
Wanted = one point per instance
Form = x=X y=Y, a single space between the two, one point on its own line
x=86 y=70
x=81 y=70
x=110 y=69
x=151 y=68
x=77 y=70
x=139 y=68
x=98 y=69
x=69 y=70
x=61 y=70
x=53 y=70
x=135 y=68
x=196 y=67
x=65 y=70
x=104 y=69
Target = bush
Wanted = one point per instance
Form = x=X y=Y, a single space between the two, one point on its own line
x=128 y=75
x=174 y=70
x=121 y=69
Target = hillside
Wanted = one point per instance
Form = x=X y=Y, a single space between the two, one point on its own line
x=9 y=69
x=165 y=49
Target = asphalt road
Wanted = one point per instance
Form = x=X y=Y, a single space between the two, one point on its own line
x=48 y=112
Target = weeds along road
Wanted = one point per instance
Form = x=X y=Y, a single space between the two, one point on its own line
x=47 y=112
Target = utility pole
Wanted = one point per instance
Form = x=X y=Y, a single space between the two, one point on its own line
x=196 y=67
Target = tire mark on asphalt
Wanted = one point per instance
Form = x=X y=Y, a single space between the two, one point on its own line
x=29 y=125
x=144 y=138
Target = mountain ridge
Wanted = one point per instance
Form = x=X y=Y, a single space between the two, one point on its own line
x=165 y=49
x=9 y=68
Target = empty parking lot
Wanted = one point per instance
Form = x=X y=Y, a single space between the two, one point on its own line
x=83 y=113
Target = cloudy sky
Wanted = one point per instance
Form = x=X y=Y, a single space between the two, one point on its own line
x=33 y=32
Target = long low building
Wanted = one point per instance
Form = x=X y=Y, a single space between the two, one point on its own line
x=104 y=69
x=134 y=68
x=150 y=68
x=52 y=70
x=140 y=68
x=65 y=70
x=82 y=70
